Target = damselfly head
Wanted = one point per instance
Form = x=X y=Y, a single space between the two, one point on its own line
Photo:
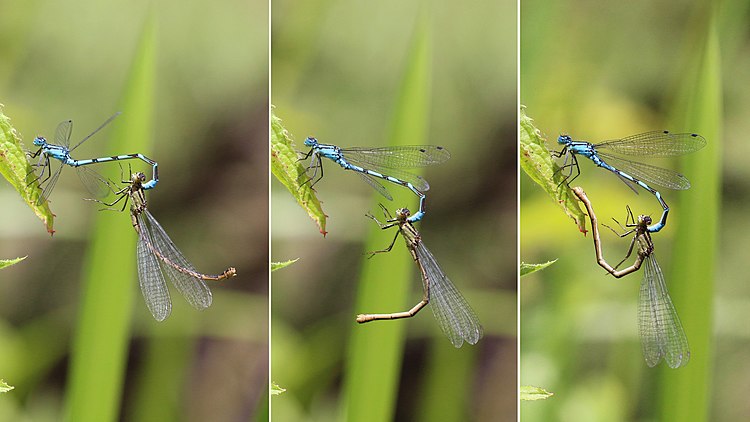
x=402 y=213
x=564 y=139
x=40 y=141
x=644 y=220
x=311 y=142
x=137 y=178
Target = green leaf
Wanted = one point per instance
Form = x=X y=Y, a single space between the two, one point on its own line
x=4 y=387
x=8 y=262
x=529 y=392
x=276 y=390
x=537 y=163
x=288 y=169
x=530 y=268
x=279 y=265
x=17 y=170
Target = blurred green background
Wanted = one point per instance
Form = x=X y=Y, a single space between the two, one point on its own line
x=72 y=60
x=599 y=71
x=338 y=70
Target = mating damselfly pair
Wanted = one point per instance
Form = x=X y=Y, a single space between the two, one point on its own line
x=659 y=327
x=454 y=315
x=157 y=256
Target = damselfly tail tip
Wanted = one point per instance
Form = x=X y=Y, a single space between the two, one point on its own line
x=230 y=272
x=362 y=318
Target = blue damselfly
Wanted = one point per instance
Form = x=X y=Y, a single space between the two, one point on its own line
x=383 y=163
x=649 y=144
x=61 y=149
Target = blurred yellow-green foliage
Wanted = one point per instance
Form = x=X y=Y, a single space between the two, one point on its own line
x=599 y=71
x=210 y=113
x=338 y=74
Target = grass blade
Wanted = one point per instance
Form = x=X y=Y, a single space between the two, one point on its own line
x=685 y=394
x=375 y=350
x=102 y=332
